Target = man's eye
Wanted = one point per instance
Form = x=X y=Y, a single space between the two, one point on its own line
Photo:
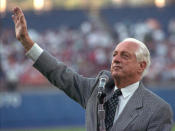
x=125 y=56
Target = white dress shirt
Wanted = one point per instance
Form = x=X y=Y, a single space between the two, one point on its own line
x=127 y=92
x=34 y=52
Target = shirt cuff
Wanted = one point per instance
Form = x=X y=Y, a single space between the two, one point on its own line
x=34 y=52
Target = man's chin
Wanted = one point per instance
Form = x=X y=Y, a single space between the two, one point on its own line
x=116 y=74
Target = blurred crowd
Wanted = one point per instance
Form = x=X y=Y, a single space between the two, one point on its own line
x=87 y=50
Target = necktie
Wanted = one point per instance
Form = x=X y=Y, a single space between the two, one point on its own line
x=110 y=109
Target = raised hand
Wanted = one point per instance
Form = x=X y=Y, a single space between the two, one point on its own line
x=21 y=28
x=20 y=23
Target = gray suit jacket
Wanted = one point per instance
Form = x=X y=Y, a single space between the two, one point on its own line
x=145 y=111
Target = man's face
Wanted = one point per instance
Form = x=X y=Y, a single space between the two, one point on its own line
x=124 y=62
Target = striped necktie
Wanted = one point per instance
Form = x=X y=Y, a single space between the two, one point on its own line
x=110 y=108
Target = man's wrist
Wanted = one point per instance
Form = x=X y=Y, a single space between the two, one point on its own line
x=27 y=42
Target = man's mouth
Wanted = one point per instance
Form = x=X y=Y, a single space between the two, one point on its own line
x=117 y=67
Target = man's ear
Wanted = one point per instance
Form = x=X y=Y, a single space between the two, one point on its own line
x=142 y=66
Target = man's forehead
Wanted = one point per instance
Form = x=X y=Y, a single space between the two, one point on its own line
x=127 y=45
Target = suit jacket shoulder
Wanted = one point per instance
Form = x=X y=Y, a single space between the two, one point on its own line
x=145 y=111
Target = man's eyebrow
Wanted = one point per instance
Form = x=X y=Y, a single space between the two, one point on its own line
x=115 y=52
x=122 y=52
x=126 y=52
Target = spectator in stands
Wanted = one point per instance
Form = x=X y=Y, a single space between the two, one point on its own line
x=2 y=77
x=84 y=58
x=138 y=108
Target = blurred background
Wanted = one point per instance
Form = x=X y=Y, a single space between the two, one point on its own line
x=83 y=34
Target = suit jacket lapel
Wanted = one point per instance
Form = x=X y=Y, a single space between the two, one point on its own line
x=130 y=111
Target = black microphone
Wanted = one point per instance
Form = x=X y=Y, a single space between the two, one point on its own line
x=110 y=81
x=101 y=99
x=105 y=81
x=102 y=82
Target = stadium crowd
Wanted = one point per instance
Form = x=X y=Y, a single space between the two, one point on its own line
x=88 y=50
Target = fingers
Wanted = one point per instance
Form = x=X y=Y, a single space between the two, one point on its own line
x=22 y=19
x=17 y=11
x=17 y=14
x=13 y=17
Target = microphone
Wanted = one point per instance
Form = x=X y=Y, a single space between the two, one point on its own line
x=102 y=82
x=105 y=80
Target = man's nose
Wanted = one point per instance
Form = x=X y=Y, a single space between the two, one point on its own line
x=116 y=59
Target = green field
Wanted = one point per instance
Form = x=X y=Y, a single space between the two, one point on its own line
x=47 y=129
x=63 y=129
x=56 y=129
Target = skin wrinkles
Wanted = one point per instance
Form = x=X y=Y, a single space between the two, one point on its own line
x=125 y=68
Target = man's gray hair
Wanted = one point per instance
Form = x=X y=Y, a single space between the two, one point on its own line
x=142 y=54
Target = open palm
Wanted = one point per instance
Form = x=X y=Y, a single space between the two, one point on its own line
x=20 y=23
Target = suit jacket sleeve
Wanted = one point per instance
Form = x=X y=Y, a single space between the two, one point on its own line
x=161 y=119
x=74 y=85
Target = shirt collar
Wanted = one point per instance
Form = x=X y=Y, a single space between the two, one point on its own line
x=129 y=90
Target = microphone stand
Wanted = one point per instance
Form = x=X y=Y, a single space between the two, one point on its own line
x=101 y=112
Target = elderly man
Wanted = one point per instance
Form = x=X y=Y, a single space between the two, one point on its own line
x=128 y=105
